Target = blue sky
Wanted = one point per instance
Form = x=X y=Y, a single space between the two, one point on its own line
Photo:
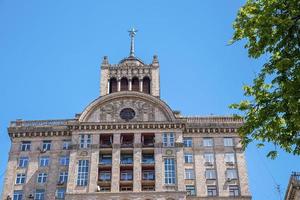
x=50 y=54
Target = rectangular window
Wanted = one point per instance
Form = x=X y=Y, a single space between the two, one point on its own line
x=39 y=195
x=83 y=170
x=210 y=174
x=66 y=144
x=85 y=141
x=212 y=191
x=148 y=175
x=229 y=158
x=190 y=190
x=44 y=161
x=23 y=162
x=60 y=193
x=64 y=160
x=168 y=139
x=126 y=175
x=25 y=146
x=20 y=179
x=42 y=178
x=63 y=177
x=46 y=145
x=188 y=157
x=170 y=171
x=189 y=174
x=148 y=158
x=18 y=195
x=105 y=176
x=208 y=142
x=105 y=159
x=187 y=142
x=231 y=174
x=126 y=159
x=234 y=191
x=228 y=142
x=209 y=157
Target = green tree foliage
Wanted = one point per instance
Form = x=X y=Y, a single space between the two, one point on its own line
x=272 y=109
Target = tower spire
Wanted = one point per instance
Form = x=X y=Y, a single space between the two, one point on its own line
x=132 y=33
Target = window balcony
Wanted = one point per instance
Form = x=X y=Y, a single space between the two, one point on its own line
x=106 y=141
x=126 y=176
x=148 y=175
x=148 y=140
x=148 y=159
x=126 y=160
x=105 y=159
x=127 y=140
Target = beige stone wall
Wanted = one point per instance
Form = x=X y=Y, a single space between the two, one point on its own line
x=155 y=82
x=104 y=73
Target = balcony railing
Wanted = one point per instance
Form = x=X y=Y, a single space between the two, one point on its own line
x=148 y=161
x=105 y=162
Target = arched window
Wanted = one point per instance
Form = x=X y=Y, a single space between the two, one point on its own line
x=124 y=84
x=113 y=86
x=146 y=85
x=135 y=84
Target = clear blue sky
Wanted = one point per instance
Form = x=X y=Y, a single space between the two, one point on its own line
x=50 y=53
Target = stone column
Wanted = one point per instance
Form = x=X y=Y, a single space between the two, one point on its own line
x=179 y=162
x=242 y=173
x=199 y=168
x=73 y=165
x=137 y=169
x=94 y=164
x=115 y=171
x=159 y=177
x=129 y=84
x=141 y=85
x=119 y=85
x=221 y=169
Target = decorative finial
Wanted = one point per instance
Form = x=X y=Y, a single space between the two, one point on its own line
x=132 y=34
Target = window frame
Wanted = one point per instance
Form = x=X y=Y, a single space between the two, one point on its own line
x=85 y=141
x=170 y=171
x=25 y=146
x=23 y=162
x=44 y=161
x=189 y=174
x=188 y=142
x=188 y=157
x=20 y=179
x=228 y=142
x=42 y=177
x=208 y=142
x=82 y=173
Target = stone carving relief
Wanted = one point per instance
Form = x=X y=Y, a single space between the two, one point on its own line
x=110 y=111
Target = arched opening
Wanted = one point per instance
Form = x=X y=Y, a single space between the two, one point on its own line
x=113 y=85
x=124 y=84
x=135 y=84
x=146 y=85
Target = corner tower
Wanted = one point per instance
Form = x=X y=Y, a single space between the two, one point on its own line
x=130 y=74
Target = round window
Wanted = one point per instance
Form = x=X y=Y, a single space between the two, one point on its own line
x=127 y=114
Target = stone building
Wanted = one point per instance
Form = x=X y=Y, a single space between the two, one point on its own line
x=293 y=188
x=127 y=144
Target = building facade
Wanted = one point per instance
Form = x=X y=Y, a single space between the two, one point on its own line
x=127 y=144
x=293 y=188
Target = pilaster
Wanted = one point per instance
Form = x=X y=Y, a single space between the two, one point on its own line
x=159 y=178
x=94 y=161
x=115 y=172
x=137 y=155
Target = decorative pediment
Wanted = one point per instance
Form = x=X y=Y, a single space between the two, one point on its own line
x=127 y=106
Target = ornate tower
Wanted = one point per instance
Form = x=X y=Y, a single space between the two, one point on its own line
x=130 y=74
